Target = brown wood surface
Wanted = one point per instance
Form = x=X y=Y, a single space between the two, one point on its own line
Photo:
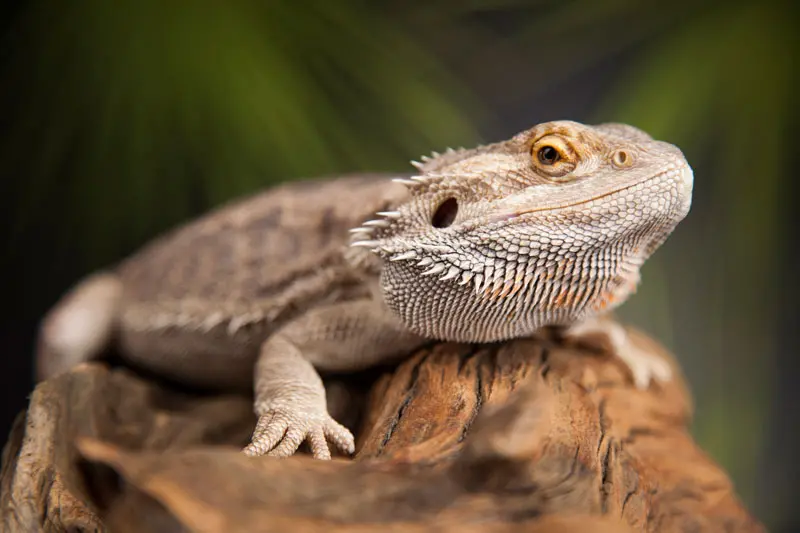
x=530 y=435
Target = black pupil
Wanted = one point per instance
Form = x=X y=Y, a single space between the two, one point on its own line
x=548 y=155
x=445 y=214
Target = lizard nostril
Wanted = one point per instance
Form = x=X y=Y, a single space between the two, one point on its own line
x=622 y=158
x=445 y=214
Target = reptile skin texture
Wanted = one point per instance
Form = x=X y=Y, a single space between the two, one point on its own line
x=548 y=228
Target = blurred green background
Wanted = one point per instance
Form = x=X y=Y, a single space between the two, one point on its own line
x=124 y=118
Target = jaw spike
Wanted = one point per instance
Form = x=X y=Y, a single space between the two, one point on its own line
x=452 y=273
x=364 y=244
x=425 y=261
x=376 y=223
x=404 y=181
x=417 y=164
x=487 y=283
x=435 y=269
x=496 y=286
x=411 y=254
x=478 y=283
x=389 y=214
x=360 y=230
x=508 y=285
x=466 y=277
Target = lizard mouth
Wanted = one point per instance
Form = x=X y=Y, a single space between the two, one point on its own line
x=684 y=172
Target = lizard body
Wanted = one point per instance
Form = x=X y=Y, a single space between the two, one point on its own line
x=548 y=228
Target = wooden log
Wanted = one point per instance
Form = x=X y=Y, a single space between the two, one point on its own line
x=535 y=435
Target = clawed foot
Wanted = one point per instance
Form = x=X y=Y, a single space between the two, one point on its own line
x=280 y=431
x=644 y=366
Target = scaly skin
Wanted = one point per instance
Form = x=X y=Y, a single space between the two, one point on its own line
x=549 y=228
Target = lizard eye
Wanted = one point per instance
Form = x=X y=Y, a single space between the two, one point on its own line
x=548 y=155
x=553 y=156
x=445 y=214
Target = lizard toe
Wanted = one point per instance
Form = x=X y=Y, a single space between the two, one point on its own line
x=645 y=367
x=340 y=436
x=280 y=433
x=319 y=445
x=290 y=442
x=269 y=430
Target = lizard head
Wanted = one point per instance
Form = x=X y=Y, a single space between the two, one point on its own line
x=546 y=228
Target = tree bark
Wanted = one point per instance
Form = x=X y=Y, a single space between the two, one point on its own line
x=534 y=434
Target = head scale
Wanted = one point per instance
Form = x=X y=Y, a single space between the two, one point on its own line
x=546 y=228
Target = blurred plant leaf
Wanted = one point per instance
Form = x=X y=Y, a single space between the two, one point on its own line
x=129 y=116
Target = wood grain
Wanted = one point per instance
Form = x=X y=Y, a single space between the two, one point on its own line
x=535 y=435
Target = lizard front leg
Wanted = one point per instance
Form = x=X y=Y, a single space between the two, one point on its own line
x=644 y=366
x=289 y=394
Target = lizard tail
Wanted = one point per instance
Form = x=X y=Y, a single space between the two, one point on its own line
x=80 y=326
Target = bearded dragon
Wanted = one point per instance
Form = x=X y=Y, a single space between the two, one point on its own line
x=546 y=229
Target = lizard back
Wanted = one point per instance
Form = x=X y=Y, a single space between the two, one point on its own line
x=219 y=285
x=256 y=246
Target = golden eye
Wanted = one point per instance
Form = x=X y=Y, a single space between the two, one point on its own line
x=622 y=158
x=548 y=155
x=553 y=156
